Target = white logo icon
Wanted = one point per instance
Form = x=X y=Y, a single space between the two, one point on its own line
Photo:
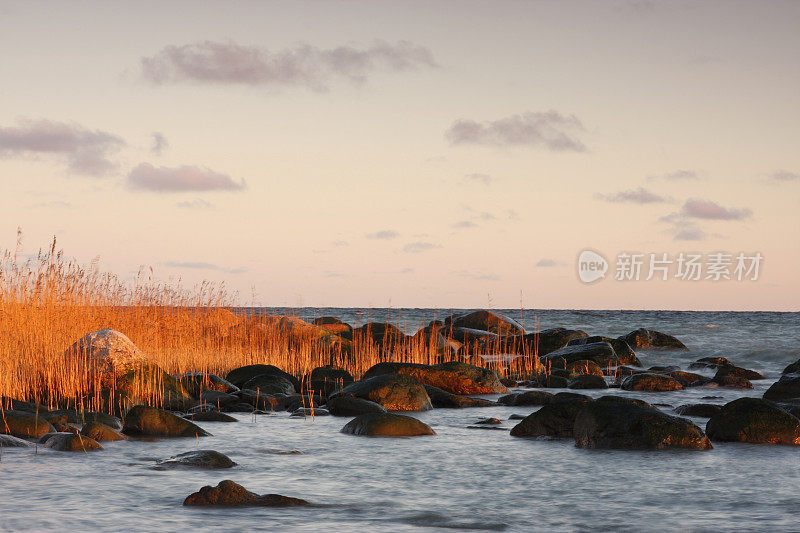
x=591 y=266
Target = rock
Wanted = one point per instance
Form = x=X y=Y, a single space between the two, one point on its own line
x=624 y=353
x=618 y=423
x=587 y=381
x=601 y=353
x=754 y=420
x=486 y=321
x=489 y=421
x=396 y=392
x=206 y=459
x=382 y=334
x=556 y=419
x=553 y=382
x=24 y=424
x=240 y=376
x=210 y=416
x=786 y=388
x=710 y=362
x=305 y=412
x=664 y=369
x=454 y=377
x=9 y=441
x=149 y=421
x=101 y=432
x=793 y=368
x=328 y=379
x=623 y=371
x=220 y=399
x=196 y=382
x=650 y=383
x=87 y=417
x=700 y=410
x=583 y=366
x=266 y=402
x=543 y=343
x=229 y=494
x=733 y=382
x=735 y=371
x=648 y=338
x=348 y=405
x=528 y=398
x=12 y=404
x=335 y=326
x=269 y=384
x=444 y=399
x=71 y=442
x=296 y=401
x=386 y=425
x=689 y=379
x=479 y=338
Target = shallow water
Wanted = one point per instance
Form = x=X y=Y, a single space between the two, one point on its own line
x=460 y=479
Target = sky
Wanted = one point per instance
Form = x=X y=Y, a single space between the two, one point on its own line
x=410 y=154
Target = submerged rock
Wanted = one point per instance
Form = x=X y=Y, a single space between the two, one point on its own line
x=650 y=382
x=24 y=424
x=443 y=399
x=556 y=419
x=101 y=432
x=71 y=442
x=210 y=416
x=454 y=377
x=387 y=425
x=700 y=410
x=348 y=405
x=396 y=392
x=754 y=420
x=619 y=423
x=207 y=459
x=149 y=421
x=230 y=494
x=648 y=338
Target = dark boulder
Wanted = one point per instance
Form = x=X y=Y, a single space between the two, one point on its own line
x=230 y=494
x=689 y=379
x=700 y=410
x=443 y=399
x=754 y=420
x=648 y=338
x=528 y=398
x=601 y=353
x=736 y=371
x=205 y=459
x=454 y=377
x=209 y=416
x=786 y=388
x=396 y=392
x=335 y=326
x=196 y=382
x=71 y=442
x=149 y=421
x=387 y=425
x=556 y=419
x=549 y=340
x=269 y=384
x=486 y=321
x=348 y=405
x=793 y=368
x=308 y=412
x=553 y=382
x=650 y=382
x=240 y=376
x=710 y=362
x=664 y=369
x=219 y=399
x=583 y=366
x=10 y=441
x=101 y=432
x=24 y=424
x=587 y=381
x=618 y=423
x=732 y=382
x=624 y=352
x=382 y=334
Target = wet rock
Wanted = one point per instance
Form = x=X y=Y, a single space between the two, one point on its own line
x=515 y=416
x=101 y=432
x=553 y=382
x=71 y=442
x=307 y=412
x=218 y=399
x=732 y=382
x=387 y=425
x=486 y=321
x=601 y=353
x=240 y=376
x=556 y=419
x=623 y=371
x=489 y=421
x=665 y=369
x=348 y=405
x=206 y=459
x=454 y=377
x=335 y=326
x=149 y=421
x=266 y=402
x=736 y=371
x=710 y=362
x=443 y=399
x=269 y=384
x=648 y=338
x=24 y=424
x=624 y=352
x=650 y=383
x=700 y=410
x=618 y=423
x=297 y=401
x=552 y=339
x=10 y=441
x=528 y=398
x=65 y=428
x=786 y=388
x=583 y=366
x=754 y=420
x=474 y=338
x=196 y=382
x=396 y=392
x=587 y=381
x=210 y=416
x=329 y=379
x=793 y=368
x=87 y=417
x=380 y=333
x=230 y=494
x=12 y=404
x=689 y=379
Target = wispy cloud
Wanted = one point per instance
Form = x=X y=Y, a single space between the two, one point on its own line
x=385 y=234
x=84 y=151
x=465 y=224
x=549 y=129
x=710 y=210
x=633 y=196
x=199 y=265
x=476 y=275
x=407 y=271
x=180 y=179
x=339 y=244
x=307 y=66
x=197 y=203
x=419 y=247
x=477 y=177
x=548 y=263
x=785 y=176
x=676 y=175
x=689 y=232
x=160 y=143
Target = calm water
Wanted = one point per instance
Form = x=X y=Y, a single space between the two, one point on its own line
x=461 y=479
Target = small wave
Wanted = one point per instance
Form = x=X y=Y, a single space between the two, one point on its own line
x=712 y=325
x=434 y=519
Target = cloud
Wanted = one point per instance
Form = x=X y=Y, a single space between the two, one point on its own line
x=548 y=263
x=677 y=175
x=785 y=176
x=383 y=235
x=160 y=143
x=333 y=274
x=709 y=210
x=419 y=247
x=549 y=129
x=199 y=265
x=84 y=151
x=633 y=196
x=339 y=244
x=689 y=233
x=179 y=179
x=195 y=204
x=485 y=179
x=476 y=275
x=465 y=224
x=210 y=62
x=407 y=271
x=511 y=214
